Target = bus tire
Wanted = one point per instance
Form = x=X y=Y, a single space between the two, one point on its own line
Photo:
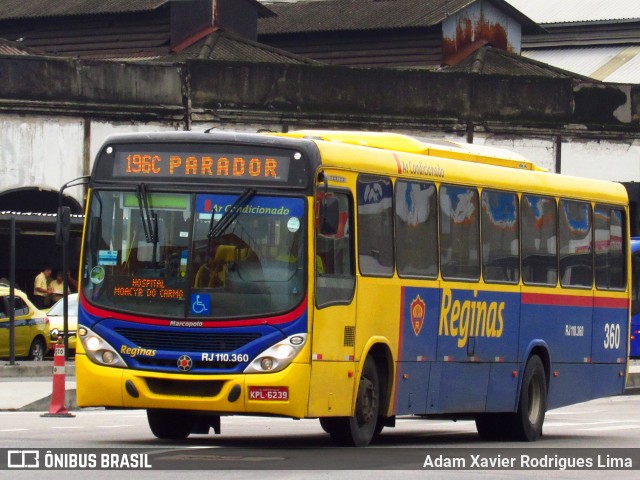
x=360 y=429
x=330 y=424
x=491 y=426
x=532 y=404
x=171 y=424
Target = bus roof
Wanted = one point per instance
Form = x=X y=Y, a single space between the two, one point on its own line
x=397 y=154
x=409 y=144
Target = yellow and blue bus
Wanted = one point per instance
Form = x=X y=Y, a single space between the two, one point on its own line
x=634 y=333
x=347 y=276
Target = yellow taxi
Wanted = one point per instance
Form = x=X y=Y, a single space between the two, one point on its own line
x=31 y=327
x=55 y=315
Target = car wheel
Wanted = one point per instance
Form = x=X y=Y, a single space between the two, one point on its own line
x=36 y=351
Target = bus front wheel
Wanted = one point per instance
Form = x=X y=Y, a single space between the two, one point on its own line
x=170 y=424
x=359 y=430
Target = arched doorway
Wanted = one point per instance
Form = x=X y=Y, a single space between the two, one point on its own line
x=36 y=199
x=35 y=212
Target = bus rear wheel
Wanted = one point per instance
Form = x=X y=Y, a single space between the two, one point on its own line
x=492 y=426
x=360 y=429
x=171 y=424
x=526 y=423
x=532 y=405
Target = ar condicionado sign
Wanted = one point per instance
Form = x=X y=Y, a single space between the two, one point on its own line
x=187 y=165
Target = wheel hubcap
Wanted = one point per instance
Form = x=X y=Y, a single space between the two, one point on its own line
x=367 y=404
x=535 y=397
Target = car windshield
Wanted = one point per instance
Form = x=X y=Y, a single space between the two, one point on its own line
x=58 y=307
x=215 y=256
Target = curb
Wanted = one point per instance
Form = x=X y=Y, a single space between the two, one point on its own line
x=34 y=369
x=43 y=404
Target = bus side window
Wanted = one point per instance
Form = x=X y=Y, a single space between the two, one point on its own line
x=416 y=229
x=609 y=227
x=335 y=273
x=375 y=225
x=500 y=237
x=539 y=252
x=576 y=244
x=459 y=233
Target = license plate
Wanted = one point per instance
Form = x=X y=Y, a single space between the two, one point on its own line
x=268 y=393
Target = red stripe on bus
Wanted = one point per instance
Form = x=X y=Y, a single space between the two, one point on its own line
x=608 y=302
x=572 y=300
x=287 y=317
x=395 y=155
x=552 y=299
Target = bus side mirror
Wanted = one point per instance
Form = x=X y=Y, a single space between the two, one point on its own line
x=329 y=216
x=63 y=225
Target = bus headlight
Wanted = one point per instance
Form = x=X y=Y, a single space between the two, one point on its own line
x=98 y=350
x=278 y=356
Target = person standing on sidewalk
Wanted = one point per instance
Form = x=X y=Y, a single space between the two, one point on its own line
x=41 y=289
x=57 y=287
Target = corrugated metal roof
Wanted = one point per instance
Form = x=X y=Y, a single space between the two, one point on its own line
x=353 y=15
x=223 y=46
x=15 y=9
x=15 y=48
x=627 y=73
x=488 y=60
x=569 y=11
x=610 y=64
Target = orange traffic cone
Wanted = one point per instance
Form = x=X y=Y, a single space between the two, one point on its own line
x=58 y=408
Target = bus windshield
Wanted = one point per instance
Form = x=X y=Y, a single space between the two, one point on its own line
x=199 y=256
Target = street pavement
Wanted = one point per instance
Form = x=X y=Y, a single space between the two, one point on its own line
x=28 y=386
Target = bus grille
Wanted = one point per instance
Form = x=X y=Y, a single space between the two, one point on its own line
x=155 y=363
x=184 y=388
x=187 y=341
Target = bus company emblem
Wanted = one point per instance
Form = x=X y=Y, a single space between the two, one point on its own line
x=418 y=311
x=185 y=363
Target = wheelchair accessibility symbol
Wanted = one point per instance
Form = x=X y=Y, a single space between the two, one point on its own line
x=200 y=304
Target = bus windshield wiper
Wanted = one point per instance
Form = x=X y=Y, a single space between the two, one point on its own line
x=149 y=219
x=230 y=215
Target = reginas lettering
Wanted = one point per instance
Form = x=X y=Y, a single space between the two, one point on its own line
x=137 y=351
x=463 y=318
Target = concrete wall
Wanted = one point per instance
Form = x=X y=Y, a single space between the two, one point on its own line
x=55 y=113
x=39 y=150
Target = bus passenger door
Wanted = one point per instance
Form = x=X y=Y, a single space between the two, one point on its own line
x=333 y=332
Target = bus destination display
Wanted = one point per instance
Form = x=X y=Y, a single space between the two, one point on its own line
x=192 y=165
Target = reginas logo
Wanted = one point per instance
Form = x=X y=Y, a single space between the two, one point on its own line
x=463 y=318
x=418 y=311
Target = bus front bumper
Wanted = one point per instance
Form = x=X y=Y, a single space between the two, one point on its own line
x=281 y=393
